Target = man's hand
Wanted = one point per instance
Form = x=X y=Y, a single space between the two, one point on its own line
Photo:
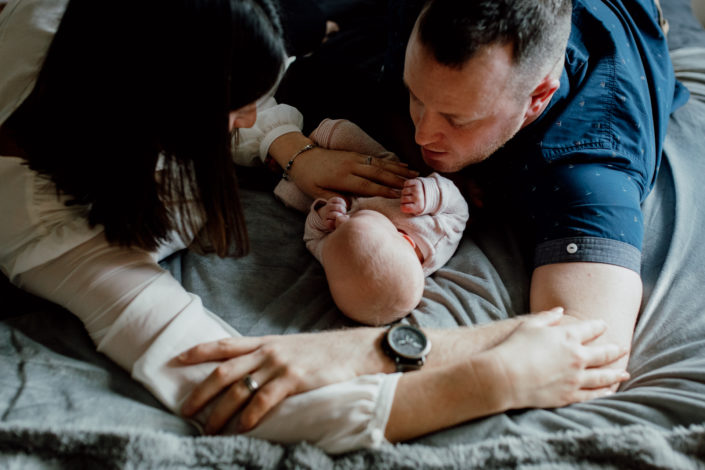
x=551 y=367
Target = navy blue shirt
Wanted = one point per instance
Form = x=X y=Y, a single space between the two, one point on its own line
x=579 y=174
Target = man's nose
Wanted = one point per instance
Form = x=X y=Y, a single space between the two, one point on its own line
x=427 y=129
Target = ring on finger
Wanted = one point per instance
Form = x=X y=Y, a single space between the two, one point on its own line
x=250 y=383
x=368 y=161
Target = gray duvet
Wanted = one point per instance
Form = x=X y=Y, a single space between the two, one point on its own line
x=63 y=405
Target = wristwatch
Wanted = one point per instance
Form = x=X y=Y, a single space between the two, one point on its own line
x=407 y=345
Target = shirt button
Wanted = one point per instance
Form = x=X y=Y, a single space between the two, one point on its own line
x=571 y=248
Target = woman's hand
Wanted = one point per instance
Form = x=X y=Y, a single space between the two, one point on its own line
x=546 y=364
x=281 y=366
x=324 y=173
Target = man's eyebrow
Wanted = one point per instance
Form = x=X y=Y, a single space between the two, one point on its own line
x=453 y=117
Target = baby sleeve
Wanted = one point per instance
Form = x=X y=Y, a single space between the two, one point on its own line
x=315 y=230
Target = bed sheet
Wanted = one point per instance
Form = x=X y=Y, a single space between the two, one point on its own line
x=65 y=405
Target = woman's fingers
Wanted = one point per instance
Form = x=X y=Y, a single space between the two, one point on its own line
x=362 y=186
x=387 y=173
x=270 y=395
x=219 y=350
x=223 y=376
x=392 y=166
x=237 y=396
x=227 y=405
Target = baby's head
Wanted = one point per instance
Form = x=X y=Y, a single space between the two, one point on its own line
x=374 y=274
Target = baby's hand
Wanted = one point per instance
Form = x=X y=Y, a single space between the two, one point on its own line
x=334 y=212
x=413 y=199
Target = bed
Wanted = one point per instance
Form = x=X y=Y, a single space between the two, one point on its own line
x=63 y=405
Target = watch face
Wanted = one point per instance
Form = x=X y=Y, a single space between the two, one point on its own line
x=408 y=341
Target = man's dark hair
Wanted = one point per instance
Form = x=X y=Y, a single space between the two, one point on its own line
x=455 y=30
x=125 y=89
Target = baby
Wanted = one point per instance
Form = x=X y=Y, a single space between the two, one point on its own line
x=377 y=252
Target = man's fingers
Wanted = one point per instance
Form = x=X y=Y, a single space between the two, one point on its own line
x=586 y=331
x=546 y=318
x=603 y=378
x=604 y=354
x=587 y=394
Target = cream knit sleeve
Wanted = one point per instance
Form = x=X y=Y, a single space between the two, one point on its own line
x=273 y=120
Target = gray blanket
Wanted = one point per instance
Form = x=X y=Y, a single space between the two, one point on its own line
x=65 y=406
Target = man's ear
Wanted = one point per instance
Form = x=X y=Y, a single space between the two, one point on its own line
x=540 y=98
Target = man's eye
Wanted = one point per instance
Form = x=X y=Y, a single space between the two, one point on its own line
x=461 y=124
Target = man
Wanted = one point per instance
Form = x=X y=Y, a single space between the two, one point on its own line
x=573 y=119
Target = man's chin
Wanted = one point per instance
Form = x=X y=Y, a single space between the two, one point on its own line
x=445 y=162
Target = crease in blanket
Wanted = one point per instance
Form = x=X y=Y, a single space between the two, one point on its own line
x=21 y=376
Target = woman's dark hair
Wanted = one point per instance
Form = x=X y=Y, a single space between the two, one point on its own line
x=125 y=89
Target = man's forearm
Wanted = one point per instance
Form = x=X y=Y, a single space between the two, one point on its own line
x=450 y=346
x=445 y=396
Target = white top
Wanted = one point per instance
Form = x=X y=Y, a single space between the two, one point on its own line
x=134 y=311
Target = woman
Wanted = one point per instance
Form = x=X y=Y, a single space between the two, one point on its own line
x=117 y=158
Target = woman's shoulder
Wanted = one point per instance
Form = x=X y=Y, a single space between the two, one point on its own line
x=38 y=225
x=27 y=28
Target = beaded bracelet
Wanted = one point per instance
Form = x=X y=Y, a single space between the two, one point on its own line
x=305 y=148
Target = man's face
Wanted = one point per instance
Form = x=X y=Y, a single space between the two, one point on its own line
x=462 y=116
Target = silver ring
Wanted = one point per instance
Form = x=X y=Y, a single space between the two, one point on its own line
x=369 y=160
x=250 y=383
